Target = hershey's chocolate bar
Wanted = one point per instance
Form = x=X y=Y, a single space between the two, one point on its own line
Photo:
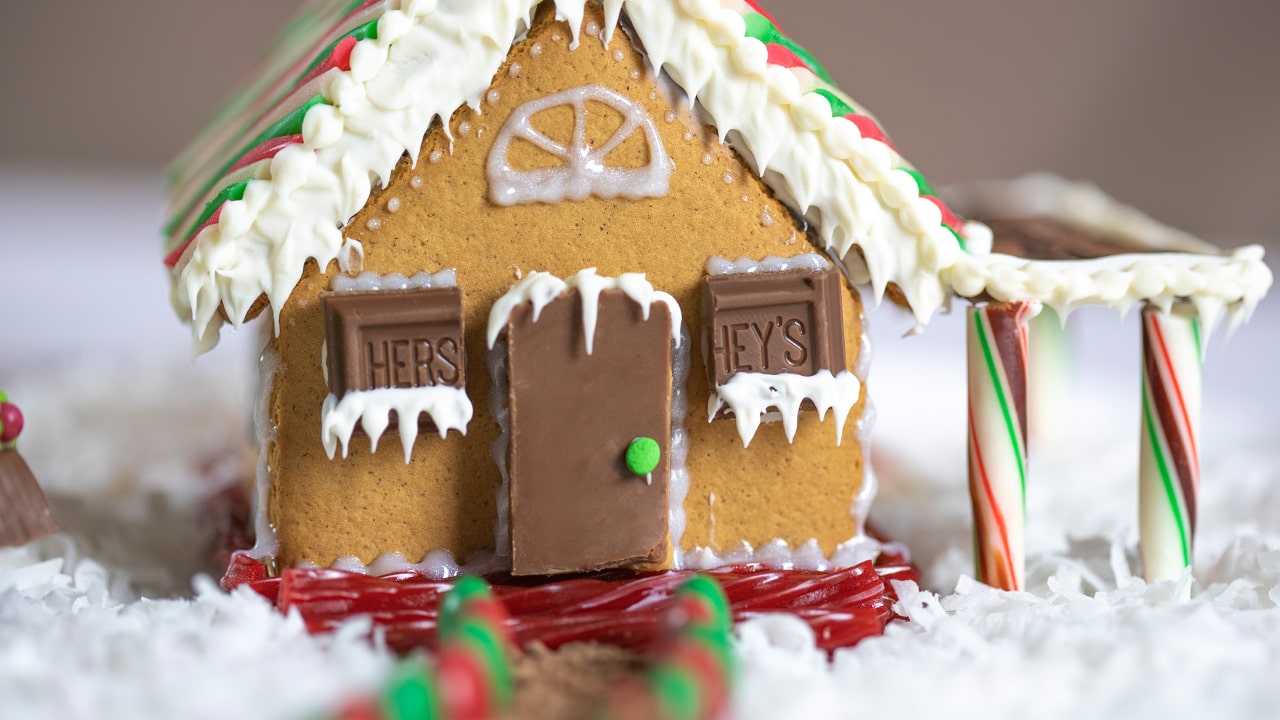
x=772 y=323
x=394 y=339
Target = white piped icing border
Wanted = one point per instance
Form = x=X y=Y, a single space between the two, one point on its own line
x=750 y=395
x=1212 y=283
x=539 y=288
x=812 y=262
x=373 y=282
x=1186 y=267
x=448 y=407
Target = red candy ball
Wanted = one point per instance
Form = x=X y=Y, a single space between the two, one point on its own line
x=11 y=420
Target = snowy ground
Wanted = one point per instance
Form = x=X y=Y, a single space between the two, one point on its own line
x=128 y=437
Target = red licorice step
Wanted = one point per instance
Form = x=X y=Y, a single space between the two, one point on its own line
x=618 y=608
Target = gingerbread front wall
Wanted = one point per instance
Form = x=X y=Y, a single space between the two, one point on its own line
x=438 y=215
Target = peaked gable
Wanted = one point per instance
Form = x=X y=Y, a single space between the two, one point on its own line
x=352 y=86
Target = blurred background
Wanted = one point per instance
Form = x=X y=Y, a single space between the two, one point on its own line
x=1169 y=104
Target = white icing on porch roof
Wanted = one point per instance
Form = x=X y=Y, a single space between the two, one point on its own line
x=1180 y=267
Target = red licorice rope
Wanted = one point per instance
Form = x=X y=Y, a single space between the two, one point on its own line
x=842 y=606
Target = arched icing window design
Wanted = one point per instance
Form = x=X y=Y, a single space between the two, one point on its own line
x=582 y=169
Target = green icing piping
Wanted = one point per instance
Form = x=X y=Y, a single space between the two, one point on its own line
x=759 y=27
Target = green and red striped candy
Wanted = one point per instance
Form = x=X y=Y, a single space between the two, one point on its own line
x=471 y=677
x=997 y=369
x=691 y=679
x=1169 y=463
x=475 y=645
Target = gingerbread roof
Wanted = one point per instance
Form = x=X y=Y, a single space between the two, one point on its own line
x=352 y=85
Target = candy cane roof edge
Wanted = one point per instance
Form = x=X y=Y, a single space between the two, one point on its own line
x=350 y=86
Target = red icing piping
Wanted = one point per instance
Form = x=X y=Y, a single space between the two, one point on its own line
x=782 y=55
x=756 y=6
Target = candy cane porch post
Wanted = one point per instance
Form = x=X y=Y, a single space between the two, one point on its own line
x=1169 y=464
x=997 y=366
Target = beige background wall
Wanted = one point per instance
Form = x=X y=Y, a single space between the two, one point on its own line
x=1171 y=104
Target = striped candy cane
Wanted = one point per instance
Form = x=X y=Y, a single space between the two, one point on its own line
x=997 y=359
x=1169 y=466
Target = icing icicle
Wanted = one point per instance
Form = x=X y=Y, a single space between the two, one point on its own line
x=997 y=362
x=750 y=395
x=540 y=288
x=1169 y=465
x=448 y=407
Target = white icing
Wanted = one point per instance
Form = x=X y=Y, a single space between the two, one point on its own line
x=750 y=395
x=437 y=564
x=744 y=265
x=539 y=288
x=678 y=480
x=583 y=171
x=431 y=56
x=265 y=543
x=1212 y=283
x=351 y=256
x=1187 y=268
x=780 y=555
x=448 y=407
x=372 y=282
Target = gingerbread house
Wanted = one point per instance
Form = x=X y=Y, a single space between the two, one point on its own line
x=567 y=285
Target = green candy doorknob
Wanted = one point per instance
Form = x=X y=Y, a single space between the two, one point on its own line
x=642 y=455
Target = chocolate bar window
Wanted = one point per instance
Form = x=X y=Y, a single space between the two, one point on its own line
x=394 y=339
x=772 y=323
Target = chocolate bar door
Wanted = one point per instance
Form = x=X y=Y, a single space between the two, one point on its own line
x=590 y=436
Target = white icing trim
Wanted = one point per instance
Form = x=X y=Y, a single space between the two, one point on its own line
x=265 y=542
x=448 y=407
x=778 y=554
x=745 y=265
x=540 y=288
x=351 y=257
x=373 y=282
x=437 y=564
x=750 y=395
x=1212 y=283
